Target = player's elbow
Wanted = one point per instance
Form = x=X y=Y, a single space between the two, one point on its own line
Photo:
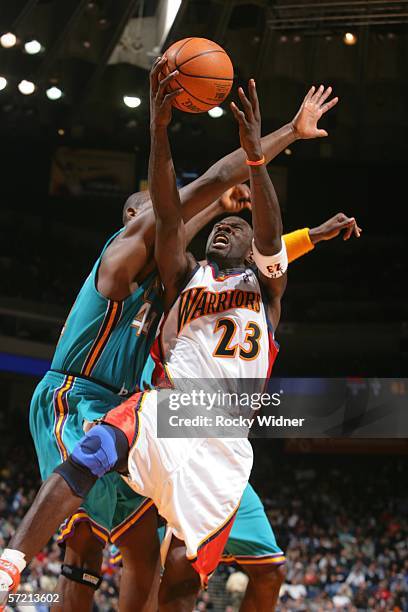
x=275 y=290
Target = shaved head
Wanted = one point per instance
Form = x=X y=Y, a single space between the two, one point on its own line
x=135 y=202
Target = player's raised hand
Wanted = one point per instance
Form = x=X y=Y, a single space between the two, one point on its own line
x=236 y=198
x=333 y=227
x=249 y=121
x=313 y=107
x=161 y=95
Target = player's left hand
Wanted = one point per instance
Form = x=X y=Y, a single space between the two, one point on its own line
x=160 y=95
x=249 y=121
x=333 y=227
x=236 y=198
x=313 y=107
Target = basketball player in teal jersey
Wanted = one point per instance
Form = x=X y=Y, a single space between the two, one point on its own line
x=99 y=359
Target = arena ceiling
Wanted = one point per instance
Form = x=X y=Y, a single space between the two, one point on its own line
x=97 y=51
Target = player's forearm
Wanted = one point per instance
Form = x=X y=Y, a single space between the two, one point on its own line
x=200 y=220
x=162 y=178
x=229 y=171
x=266 y=215
x=232 y=169
x=54 y=502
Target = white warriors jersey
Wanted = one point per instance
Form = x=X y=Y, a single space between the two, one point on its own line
x=217 y=328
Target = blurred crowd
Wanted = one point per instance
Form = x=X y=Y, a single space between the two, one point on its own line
x=342 y=522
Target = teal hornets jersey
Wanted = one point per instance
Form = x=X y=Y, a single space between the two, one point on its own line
x=109 y=341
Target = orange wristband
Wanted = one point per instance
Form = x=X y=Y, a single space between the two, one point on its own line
x=258 y=162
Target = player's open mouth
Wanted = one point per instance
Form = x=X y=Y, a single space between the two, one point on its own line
x=220 y=240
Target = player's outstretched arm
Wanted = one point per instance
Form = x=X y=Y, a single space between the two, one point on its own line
x=268 y=248
x=301 y=241
x=170 y=241
x=232 y=169
x=129 y=255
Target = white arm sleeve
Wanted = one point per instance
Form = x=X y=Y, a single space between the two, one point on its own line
x=272 y=266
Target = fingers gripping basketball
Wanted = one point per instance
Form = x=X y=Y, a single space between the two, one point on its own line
x=205 y=74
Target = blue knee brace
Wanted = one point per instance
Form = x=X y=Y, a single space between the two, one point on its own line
x=100 y=450
x=103 y=449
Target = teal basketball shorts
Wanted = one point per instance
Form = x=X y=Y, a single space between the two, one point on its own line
x=252 y=540
x=59 y=406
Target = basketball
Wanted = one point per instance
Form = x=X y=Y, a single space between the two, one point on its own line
x=205 y=74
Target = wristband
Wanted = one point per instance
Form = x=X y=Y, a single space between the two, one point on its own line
x=272 y=266
x=258 y=162
x=298 y=243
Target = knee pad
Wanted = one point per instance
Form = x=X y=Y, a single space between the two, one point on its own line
x=101 y=450
x=81 y=575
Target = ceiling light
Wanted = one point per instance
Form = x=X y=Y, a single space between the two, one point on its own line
x=32 y=47
x=216 y=112
x=8 y=40
x=53 y=93
x=349 y=38
x=132 y=101
x=26 y=87
x=3 y=83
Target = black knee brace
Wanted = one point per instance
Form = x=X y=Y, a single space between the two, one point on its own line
x=81 y=575
x=102 y=450
x=79 y=479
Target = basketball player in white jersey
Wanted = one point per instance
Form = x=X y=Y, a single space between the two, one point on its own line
x=217 y=326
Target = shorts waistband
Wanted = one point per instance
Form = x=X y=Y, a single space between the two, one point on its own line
x=56 y=377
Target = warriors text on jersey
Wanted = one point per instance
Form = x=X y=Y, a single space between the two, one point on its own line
x=218 y=328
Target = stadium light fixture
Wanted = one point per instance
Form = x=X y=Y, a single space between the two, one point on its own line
x=8 y=40
x=26 y=87
x=54 y=93
x=32 y=47
x=216 y=112
x=349 y=38
x=132 y=101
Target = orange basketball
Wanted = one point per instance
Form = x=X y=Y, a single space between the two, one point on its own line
x=205 y=74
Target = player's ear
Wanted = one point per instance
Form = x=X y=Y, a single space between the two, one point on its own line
x=249 y=260
x=131 y=212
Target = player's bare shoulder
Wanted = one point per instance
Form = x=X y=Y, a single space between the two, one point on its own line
x=128 y=259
